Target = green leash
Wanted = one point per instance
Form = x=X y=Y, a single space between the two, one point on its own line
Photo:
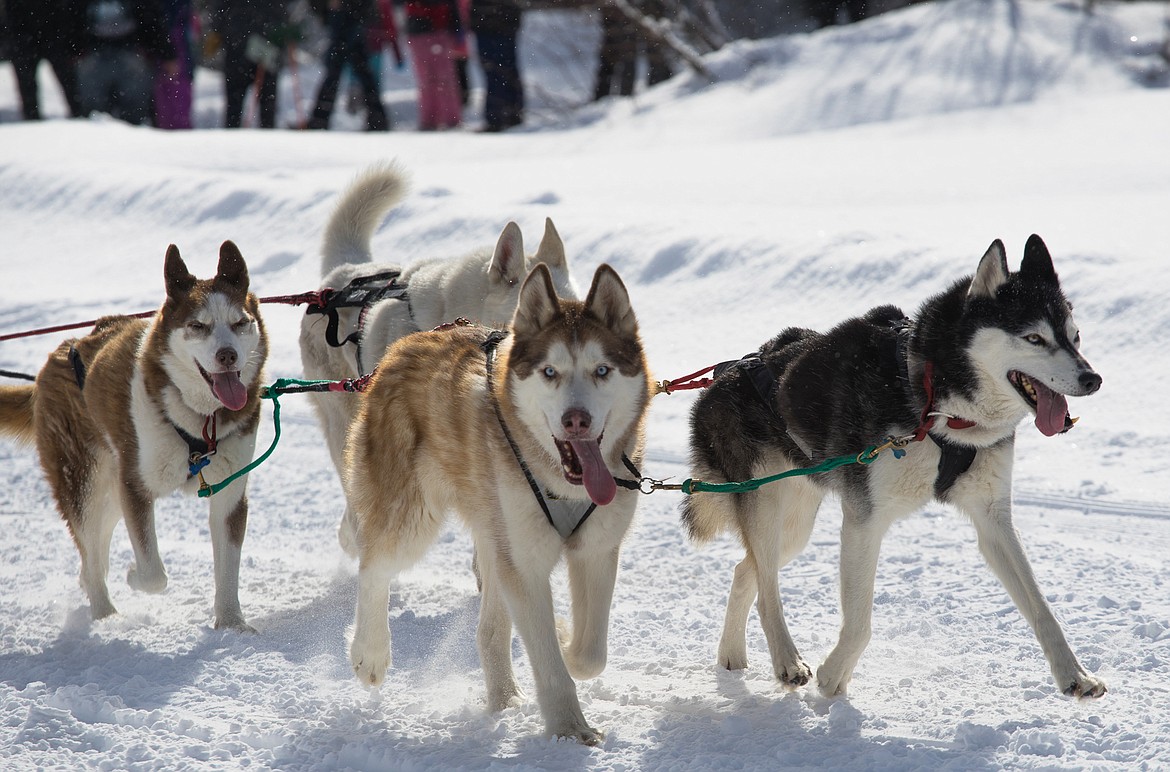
x=647 y=485
x=273 y=392
x=868 y=456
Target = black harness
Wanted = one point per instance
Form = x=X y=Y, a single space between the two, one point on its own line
x=954 y=459
x=363 y=292
x=761 y=377
x=489 y=345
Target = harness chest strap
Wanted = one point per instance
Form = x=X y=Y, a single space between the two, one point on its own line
x=566 y=529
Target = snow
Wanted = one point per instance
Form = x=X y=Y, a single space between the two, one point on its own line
x=819 y=175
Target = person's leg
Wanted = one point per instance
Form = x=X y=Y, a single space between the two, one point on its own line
x=421 y=60
x=24 y=66
x=359 y=64
x=267 y=99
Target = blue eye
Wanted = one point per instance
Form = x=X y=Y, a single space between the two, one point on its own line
x=601 y=371
x=550 y=372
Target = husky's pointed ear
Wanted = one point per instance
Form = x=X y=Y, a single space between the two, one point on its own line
x=609 y=300
x=178 y=279
x=1037 y=262
x=538 y=304
x=508 y=260
x=232 y=269
x=551 y=250
x=992 y=272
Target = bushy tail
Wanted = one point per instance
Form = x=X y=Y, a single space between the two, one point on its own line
x=16 y=411
x=359 y=211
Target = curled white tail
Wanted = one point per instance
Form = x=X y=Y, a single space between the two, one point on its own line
x=359 y=211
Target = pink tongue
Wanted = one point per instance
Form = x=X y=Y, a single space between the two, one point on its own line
x=229 y=389
x=598 y=481
x=1051 y=408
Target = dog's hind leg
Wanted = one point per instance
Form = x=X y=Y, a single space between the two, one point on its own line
x=1000 y=544
x=775 y=524
x=862 y=530
x=494 y=636
x=733 y=642
x=591 y=580
x=93 y=526
x=147 y=574
x=369 y=653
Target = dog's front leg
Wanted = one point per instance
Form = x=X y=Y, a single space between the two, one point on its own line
x=1000 y=544
x=861 y=537
x=147 y=574
x=591 y=581
x=530 y=602
x=229 y=522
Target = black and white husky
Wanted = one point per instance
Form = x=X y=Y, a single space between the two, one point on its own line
x=979 y=357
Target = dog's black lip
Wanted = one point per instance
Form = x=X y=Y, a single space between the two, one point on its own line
x=1017 y=379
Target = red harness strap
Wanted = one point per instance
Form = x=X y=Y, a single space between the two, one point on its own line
x=926 y=420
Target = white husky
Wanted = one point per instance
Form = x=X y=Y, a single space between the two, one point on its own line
x=482 y=286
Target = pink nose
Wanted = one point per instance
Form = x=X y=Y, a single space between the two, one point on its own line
x=576 y=421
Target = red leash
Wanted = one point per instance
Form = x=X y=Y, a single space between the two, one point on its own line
x=312 y=298
x=687 y=382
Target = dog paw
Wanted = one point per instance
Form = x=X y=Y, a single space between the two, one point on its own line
x=370 y=661
x=512 y=698
x=1086 y=687
x=153 y=581
x=233 y=622
x=733 y=657
x=578 y=732
x=101 y=609
x=831 y=682
x=794 y=675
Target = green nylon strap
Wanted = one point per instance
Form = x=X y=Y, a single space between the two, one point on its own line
x=692 y=486
x=689 y=486
x=273 y=393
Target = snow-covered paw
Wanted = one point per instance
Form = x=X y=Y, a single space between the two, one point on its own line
x=1086 y=687
x=101 y=609
x=370 y=660
x=233 y=621
x=152 y=580
x=505 y=698
x=578 y=731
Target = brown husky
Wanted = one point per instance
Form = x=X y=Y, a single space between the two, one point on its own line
x=131 y=411
x=521 y=435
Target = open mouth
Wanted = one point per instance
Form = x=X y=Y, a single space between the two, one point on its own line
x=227 y=387
x=582 y=464
x=1051 y=407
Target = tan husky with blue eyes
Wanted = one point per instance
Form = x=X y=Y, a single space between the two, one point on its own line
x=527 y=435
x=136 y=410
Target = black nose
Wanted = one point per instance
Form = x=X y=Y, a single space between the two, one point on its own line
x=227 y=358
x=576 y=421
x=1090 y=381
